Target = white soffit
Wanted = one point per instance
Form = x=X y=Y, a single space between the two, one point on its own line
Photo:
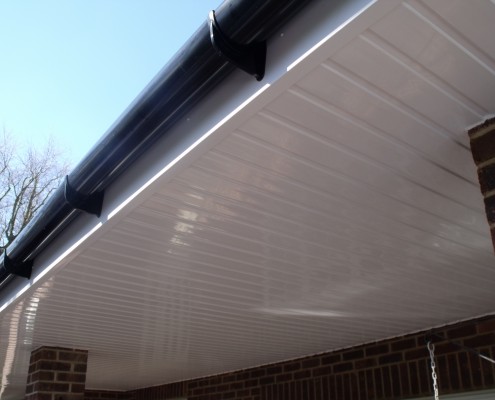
x=339 y=205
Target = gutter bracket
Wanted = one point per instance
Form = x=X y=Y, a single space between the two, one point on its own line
x=251 y=57
x=91 y=204
x=22 y=269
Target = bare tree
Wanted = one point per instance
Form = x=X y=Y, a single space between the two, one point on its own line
x=27 y=179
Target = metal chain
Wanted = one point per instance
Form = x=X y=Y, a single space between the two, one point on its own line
x=431 y=349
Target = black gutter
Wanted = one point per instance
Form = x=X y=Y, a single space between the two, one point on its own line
x=191 y=74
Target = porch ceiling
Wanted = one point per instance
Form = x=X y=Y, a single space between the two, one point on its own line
x=341 y=207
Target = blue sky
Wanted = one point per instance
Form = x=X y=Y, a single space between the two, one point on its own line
x=69 y=68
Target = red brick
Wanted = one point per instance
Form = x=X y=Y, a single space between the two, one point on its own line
x=403 y=344
x=210 y=390
x=332 y=381
x=239 y=377
x=44 y=353
x=475 y=370
x=42 y=376
x=446 y=347
x=361 y=383
x=71 y=377
x=483 y=147
x=463 y=360
x=486 y=178
x=267 y=380
x=370 y=388
x=198 y=391
x=274 y=370
x=77 y=387
x=236 y=385
x=225 y=379
x=284 y=377
x=327 y=370
x=29 y=388
x=485 y=125
x=377 y=375
x=302 y=374
x=377 y=349
x=53 y=365
x=216 y=380
x=365 y=363
x=352 y=355
x=311 y=362
x=486 y=339
x=461 y=331
x=486 y=326
x=353 y=382
x=390 y=358
x=255 y=391
x=424 y=374
x=251 y=383
x=257 y=373
x=395 y=381
x=331 y=359
x=487 y=369
x=309 y=389
x=202 y=383
x=387 y=382
x=404 y=379
x=442 y=373
x=415 y=354
x=292 y=367
x=490 y=207
x=242 y=393
x=104 y=394
x=32 y=368
x=453 y=372
x=342 y=367
x=51 y=387
x=79 y=367
x=74 y=356
x=413 y=378
x=318 y=389
x=325 y=388
x=39 y=396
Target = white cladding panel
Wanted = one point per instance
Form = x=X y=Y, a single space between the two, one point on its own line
x=342 y=208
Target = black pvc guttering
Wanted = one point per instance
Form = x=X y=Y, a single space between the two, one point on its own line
x=191 y=74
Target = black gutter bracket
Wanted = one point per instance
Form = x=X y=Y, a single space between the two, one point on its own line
x=251 y=57
x=22 y=269
x=91 y=204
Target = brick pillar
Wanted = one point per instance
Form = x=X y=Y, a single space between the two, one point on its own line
x=57 y=374
x=482 y=140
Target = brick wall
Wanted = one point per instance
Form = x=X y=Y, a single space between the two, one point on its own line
x=56 y=373
x=107 y=395
x=170 y=391
x=389 y=369
x=482 y=140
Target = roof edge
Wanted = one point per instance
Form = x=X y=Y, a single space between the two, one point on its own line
x=195 y=70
